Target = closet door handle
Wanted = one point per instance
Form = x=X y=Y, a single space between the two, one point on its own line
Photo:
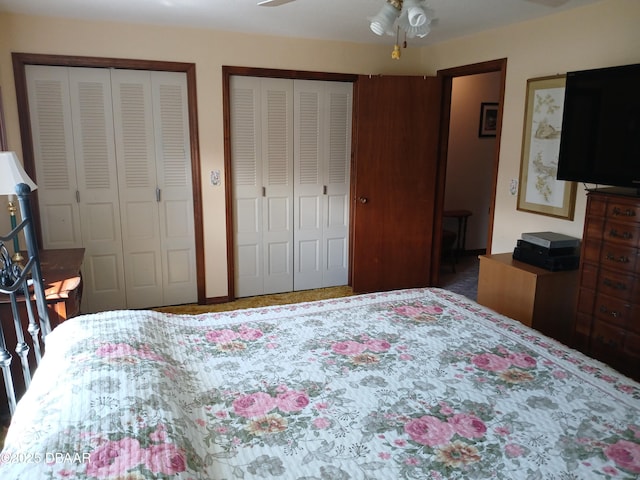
x=77 y=196
x=157 y=194
x=363 y=200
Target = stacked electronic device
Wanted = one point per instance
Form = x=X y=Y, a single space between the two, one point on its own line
x=548 y=250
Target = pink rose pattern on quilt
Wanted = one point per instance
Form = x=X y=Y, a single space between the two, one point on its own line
x=413 y=384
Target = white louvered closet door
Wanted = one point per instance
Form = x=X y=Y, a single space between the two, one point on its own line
x=321 y=188
x=262 y=156
x=113 y=167
x=337 y=176
x=277 y=181
x=72 y=127
x=156 y=198
x=173 y=162
x=52 y=132
x=291 y=152
x=136 y=160
x=246 y=153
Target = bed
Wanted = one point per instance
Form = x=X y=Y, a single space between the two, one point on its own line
x=18 y=275
x=408 y=384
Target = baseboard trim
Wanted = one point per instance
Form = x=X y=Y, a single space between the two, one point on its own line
x=473 y=253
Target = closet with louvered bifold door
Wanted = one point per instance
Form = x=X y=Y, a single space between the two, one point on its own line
x=113 y=168
x=290 y=166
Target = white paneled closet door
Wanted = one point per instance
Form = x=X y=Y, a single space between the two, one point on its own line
x=136 y=161
x=154 y=178
x=291 y=151
x=262 y=156
x=114 y=172
x=72 y=129
x=277 y=182
x=175 y=194
x=321 y=187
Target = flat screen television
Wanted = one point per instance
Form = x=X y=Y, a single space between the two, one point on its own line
x=600 y=138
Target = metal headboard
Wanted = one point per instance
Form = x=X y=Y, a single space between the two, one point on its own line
x=39 y=326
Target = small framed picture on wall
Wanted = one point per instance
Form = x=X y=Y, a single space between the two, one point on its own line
x=488 y=119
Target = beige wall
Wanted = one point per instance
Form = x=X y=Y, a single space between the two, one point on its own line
x=209 y=50
x=600 y=35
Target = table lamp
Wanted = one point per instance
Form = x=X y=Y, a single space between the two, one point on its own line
x=11 y=174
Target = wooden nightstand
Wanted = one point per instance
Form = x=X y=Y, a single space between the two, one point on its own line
x=62 y=282
x=538 y=298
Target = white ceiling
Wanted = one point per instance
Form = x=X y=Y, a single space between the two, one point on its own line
x=345 y=20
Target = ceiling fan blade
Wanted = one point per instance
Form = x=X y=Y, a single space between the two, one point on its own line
x=273 y=3
x=549 y=3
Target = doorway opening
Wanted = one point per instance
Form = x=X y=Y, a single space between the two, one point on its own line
x=473 y=97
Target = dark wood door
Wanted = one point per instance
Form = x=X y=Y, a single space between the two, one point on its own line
x=396 y=134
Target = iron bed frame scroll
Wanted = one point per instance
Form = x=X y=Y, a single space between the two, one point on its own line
x=20 y=286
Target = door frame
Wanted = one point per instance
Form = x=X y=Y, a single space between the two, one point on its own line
x=448 y=74
x=21 y=60
x=227 y=72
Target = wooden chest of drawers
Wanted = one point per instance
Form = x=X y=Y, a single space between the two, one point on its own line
x=607 y=323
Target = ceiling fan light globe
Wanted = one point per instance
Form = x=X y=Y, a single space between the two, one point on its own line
x=377 y=28
x=420 y=32
x=417 y=16
x=384 y=20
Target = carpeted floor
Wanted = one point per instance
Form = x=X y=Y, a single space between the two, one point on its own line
x=463 y=281
x=465 y=278
x=262 y=301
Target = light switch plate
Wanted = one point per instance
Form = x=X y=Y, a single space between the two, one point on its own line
x=215 y=177
x=513 y=186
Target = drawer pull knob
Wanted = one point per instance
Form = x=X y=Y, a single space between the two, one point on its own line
x=610 y=343
x=624 y=235
x=620 y=259
x=613 y=313
x=626 y=213
x=615 y=285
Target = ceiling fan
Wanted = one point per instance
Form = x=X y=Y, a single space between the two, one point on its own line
x=413 y=17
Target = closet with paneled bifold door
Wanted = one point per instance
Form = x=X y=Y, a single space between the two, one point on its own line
x=290 y=167
x=113 y=168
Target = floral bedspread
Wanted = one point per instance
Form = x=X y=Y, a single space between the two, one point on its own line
x=413 y=384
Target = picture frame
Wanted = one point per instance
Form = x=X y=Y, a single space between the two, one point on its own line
x=488 y=119
x=3 y=132
x=539 y=191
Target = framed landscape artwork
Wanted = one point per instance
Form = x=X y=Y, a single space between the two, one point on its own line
x=540 y=192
